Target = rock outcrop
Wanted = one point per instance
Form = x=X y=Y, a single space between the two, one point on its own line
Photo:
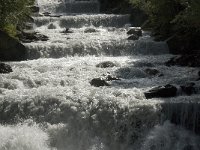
x=11 y=49
x=161 y=91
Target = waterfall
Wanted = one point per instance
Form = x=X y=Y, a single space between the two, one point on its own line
x=48 y=103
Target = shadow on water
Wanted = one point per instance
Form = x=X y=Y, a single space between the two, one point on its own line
x=84 y=122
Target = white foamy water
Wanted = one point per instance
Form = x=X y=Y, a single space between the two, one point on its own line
x=47 y=102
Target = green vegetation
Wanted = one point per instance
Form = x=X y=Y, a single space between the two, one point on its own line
x=13 y=13
x=174 y=17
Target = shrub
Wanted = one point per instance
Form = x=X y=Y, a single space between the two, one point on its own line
x=13 y=13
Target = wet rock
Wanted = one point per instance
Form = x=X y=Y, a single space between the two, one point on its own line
x=51 y=26
x=57 y=16
x=192 y=60
x=189 y=88
x=152 y=72
x=111 y=78
x=106 y=64
x=133 y=37
x=90 y=30
x=32 y=36
x=97 y=82
x=137 y=32
x=67 y=30
x=11 y=49
x=4 y=68
x=161 y=91
x=46 y=13
x=35 y=9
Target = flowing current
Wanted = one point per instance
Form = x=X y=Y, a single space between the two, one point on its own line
x=47 y=102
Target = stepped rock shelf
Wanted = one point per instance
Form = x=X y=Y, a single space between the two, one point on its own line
x=83 y=90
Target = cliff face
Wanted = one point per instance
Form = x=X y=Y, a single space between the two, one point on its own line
x=11 y=49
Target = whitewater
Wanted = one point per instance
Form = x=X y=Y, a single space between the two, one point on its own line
x=48 y=103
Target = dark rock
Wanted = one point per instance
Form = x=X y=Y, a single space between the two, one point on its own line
x=137 y=32
x=67 y=30
x=46 y=13
x=35 y=9
x=106 y=64
x=111 y=78
x=189 y=88
x=133 y=37
x=152 y=72
x=97 y=82
x=161 y=91
x=192 y=60
x=11 y=49
x=90 y=30
x=57 y=16
x=32 y=36
x=4 y=68
x=51 y=26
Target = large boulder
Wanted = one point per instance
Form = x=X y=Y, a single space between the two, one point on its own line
x=11 y=49
x=161 y=91
x=106 y=64
x=4 y=68
x=133 y=37
x=135 y=31
x=97 y=82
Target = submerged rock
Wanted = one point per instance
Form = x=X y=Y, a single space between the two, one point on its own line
x=106 y=64
x=67 y=30
x=111 y=78
x=185 y=60
x=161 y=91
x=90 y=30
x=152 y=72
x=46 y=13
x=32 y=36
x=11 y=49
x=97 y=82
x=4 y=68
x=137 y=32
x=51 y=26
x=133 y=37
x=189 y=88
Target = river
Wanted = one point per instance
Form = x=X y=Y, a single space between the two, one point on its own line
x=48 y=103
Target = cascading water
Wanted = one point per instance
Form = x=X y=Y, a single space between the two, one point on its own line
x=49 y=104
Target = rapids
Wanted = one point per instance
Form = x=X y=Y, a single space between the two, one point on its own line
x=47 y=102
